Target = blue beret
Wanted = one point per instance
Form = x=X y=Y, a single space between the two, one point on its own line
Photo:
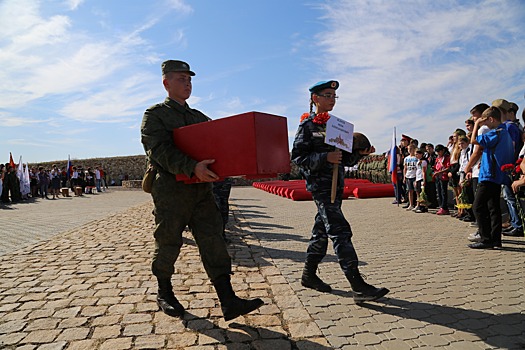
x=325 y=84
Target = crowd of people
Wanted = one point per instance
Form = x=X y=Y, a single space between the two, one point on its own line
x=479 y=163
x=21 y=183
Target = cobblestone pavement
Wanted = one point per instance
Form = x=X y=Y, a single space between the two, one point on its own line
x=90 y=286
x=30 y=221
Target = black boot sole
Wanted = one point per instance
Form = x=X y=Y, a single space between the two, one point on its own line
x=320 y=288
x=250 y=306
x=361 y=298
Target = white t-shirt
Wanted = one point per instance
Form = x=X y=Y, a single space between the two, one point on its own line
x=464 y=157
x=419 y=172
x=475 y=169
x=410 y=166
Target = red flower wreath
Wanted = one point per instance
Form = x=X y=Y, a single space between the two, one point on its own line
x=320 y=118
x=304 y=116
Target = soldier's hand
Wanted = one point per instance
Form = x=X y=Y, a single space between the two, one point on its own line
x=203 y=173
x=334 y=157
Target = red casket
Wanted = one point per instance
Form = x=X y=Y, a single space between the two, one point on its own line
x=253 y=145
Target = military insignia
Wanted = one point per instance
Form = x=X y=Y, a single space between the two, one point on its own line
x=318 y=134
x=333 y=85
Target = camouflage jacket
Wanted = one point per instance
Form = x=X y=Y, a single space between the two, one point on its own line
x=157 y=136
x=309 y=152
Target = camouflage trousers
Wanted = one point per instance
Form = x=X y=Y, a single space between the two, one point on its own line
x=178 y=205
x=331 y=223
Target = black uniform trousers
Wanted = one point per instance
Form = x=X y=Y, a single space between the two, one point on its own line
x=487 y=211
x=331 y=223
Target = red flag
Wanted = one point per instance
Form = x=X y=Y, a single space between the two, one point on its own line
x=11 y=161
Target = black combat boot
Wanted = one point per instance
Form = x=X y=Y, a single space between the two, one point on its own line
x=232 y=306
x=362 y=290
x=166 y=299
x=309 y=278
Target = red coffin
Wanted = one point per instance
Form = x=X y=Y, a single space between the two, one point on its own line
x=253 y=145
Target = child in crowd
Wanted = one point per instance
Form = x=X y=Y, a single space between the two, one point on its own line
x=464 y=157
x=430 y=188
x=441 y=177
x=453 y=173
x=421 y=172
x=498 y=150
x=410 y=169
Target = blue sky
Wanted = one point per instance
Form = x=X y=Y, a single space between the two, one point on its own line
x=77 y=75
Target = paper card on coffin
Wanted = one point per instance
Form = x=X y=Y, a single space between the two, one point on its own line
x=253 y=145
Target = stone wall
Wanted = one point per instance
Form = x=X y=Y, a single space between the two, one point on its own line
x=116 y=168
x=133 y=168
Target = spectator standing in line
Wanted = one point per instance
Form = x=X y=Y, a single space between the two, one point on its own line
x=43 y=182
x=441 y=177
x=98 y=179
x=409 y=176
x=33 y=182
x=104 y=183
x=497 y=151
x=516 y=226
x=453 y=172
x=54 y=177
x=2 y=174
x=475 y=158
x=464 y=183
x=430 y=188
x=421 y=180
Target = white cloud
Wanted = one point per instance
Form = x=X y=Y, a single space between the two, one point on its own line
x=13 y=121
x=121 y=101
x=73 y=4
x=180 y=6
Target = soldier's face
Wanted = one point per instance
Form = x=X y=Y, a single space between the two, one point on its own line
x=178 y=85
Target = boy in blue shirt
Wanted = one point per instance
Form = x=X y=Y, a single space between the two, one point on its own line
x=497 y=151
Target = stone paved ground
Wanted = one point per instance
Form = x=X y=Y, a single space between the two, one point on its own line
x=90 y=287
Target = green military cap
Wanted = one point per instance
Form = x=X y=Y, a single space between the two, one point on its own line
x=514 y=107
x=501 y=104
x=325 y=84
x=176 y=66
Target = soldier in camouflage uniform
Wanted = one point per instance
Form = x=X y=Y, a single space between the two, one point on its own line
x=178 y=204
x=316 y=160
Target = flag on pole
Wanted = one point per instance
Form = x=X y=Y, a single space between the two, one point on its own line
x=20 y=170
x=392 y=158
x=26 y=188
x=11 y=161
x=69 y=167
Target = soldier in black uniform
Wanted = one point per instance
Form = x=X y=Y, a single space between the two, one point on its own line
x=316 y=160
x=178 y=204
